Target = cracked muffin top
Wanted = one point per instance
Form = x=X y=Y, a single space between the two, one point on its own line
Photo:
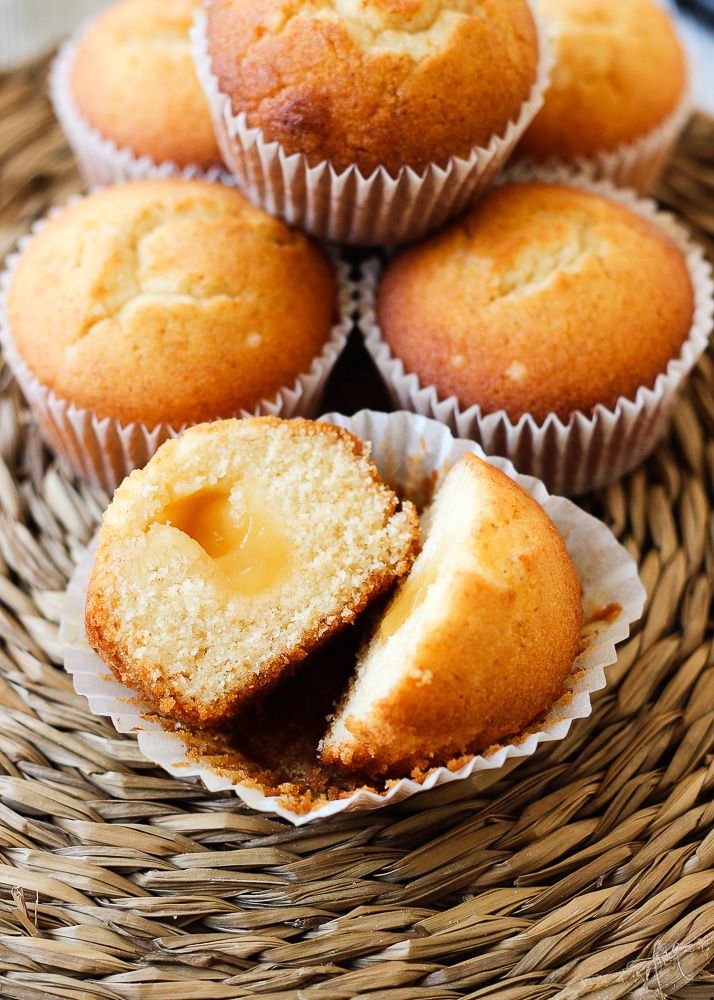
x=375 y=82
x=133 y=80
x=169 y=301
x=542 y=299
x=619 y=72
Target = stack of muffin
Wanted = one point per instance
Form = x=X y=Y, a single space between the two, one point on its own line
x=552 y=317
x=552 y=322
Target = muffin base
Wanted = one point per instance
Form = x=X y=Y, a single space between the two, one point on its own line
x=591 y=449
x=348 y=207
x=411 y=452
x=638 y=164
x=101 y=161
x=102 y=451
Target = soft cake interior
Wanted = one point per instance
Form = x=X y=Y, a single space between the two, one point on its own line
x=420 y=603
x=227 y=560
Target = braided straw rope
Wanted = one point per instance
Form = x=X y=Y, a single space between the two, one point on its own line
x=586 y=871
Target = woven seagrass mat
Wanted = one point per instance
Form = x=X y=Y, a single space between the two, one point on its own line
x=586 y=871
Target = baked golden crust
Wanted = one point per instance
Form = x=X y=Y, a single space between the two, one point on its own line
x=492 y=650
x=158 y=615
x=134 y=81
x=169 y=301
x=542 y=299
x=375 y=82
x=619 y=72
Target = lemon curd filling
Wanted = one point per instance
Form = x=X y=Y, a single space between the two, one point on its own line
x=246 y=545
x=411 y=596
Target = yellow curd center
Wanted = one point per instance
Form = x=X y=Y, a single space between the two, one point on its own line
x=406 y=602
x=247 y=546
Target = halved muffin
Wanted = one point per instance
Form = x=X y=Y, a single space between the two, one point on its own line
x=233 y=553
x=475 y=643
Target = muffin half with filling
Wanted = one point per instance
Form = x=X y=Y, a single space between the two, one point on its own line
x=239 y=548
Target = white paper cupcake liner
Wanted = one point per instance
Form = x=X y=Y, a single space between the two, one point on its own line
x=408 y=450
x=100 y=160
x=348 y=207
x=590 y=450
x=638 y=164
x=103 y=451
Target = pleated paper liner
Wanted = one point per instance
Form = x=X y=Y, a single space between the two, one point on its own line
x=348 y=207
x=101 y=160
x=590 y=450
x=638 y=164
x=103 y=451
x=409 y=451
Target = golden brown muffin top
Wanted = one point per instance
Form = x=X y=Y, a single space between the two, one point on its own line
x=542 y=299
x=619 y=72
x=169 y=301
x=375 y=82
x=134 y=81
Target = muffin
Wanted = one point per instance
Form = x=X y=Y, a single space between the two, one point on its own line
x=126 y=91
x=371 y=89
x=619 y=76
x=272 y=765
x=166 y=302
x=476 y=642
x=544 y=299
x=375 y=84
x=238 y=549
x=463 y=289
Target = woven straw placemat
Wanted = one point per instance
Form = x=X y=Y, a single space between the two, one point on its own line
x=585 y=872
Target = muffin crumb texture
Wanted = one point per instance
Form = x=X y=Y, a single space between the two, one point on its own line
x=542 y=299
x=169 y=301
x=375 y=82
x=200 y=619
